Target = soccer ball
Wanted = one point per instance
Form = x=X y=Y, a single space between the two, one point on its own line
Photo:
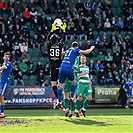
x=58 y=22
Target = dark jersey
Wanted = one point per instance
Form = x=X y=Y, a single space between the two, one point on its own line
x=54 y=53
x=55 y=50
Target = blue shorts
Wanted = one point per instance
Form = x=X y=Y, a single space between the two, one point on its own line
x=66 y=72
x=3 y=88
x=128 y=94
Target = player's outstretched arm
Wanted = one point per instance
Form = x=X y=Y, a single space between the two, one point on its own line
x=87 y=51
x=3 y=68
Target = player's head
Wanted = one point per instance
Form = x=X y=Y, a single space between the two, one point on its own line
x=54 y=39
x=75 y=44
x=83 y=59
x=129 y=79
x=6 y=56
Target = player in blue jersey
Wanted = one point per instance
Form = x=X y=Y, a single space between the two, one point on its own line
x=128 y=86
x=6 y=69
x=67 y=71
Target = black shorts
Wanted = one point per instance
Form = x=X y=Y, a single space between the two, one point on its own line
x=54 y=74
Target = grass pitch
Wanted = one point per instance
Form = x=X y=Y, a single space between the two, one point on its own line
x=48 y=121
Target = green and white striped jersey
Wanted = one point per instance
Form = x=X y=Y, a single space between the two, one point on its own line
x=76 y=64
x=83 y=78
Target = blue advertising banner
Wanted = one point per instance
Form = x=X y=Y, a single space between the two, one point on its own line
x=30 y=96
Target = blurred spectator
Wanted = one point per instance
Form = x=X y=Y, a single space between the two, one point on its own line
x=14 y=56
x=31 y=69
x=108 y=57
x=38 y=67
x=124 y=77
x=124 y=47
x=8 y=47
x=81 y=46
x=122 y=66
x=128 y=41
x=108 y=67
x=36 y=42
x=113 y=39
x=46 y=83
x=97 y=41
x=117 y=58
x=101 y=77
x=18 y=78
x=120 y=24
x=124 y=55
x=16 y=47
x=40 y=78
x=27 y=15
x=125 y=8
x=23 y=67
x=24 y=47
x=130 y=57
x=92 y=67
x=46 y=69
x=102 y=47
x=100 y=56
x=87 y=4
x=15 y=68
x=88 y=45
x=110 y=14
x=44 y=50
x=128 y=24
x=25 y=56
x=46 y=6
x=116 y=48
x=90 y=34
x=98 y=66
x=117 y=78
x=114 y=67
x=3 y=6
x=79 y=6
x=120 y=39
x=114 y=24
x=107 y=25
x=99 y=23
x=109 y=78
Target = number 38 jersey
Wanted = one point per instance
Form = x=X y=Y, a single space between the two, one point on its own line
x=54 y=53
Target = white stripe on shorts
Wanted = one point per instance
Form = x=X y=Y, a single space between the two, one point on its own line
x=4 y=89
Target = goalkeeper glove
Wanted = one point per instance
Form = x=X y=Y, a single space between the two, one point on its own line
x=63 y=27
x=53 y=27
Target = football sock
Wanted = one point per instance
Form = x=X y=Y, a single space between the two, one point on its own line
x=72 y=106
x=59 y=92
x=86 y=103
x=2 y=109
x=66 y=103
x=78 y=104
x=73 y=87
x=55 y=90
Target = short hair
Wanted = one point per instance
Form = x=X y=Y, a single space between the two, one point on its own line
x=75 y=44
x=7 y=53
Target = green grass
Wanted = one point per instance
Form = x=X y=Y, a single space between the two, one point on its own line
x=44 y=121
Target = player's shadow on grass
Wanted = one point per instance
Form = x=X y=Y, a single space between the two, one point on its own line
x=86 y=122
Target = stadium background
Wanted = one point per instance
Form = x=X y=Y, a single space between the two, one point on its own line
x=23 y=30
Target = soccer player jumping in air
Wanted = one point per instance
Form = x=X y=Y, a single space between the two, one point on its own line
x=67 y=71
x=6 y=69
x=55 y=42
